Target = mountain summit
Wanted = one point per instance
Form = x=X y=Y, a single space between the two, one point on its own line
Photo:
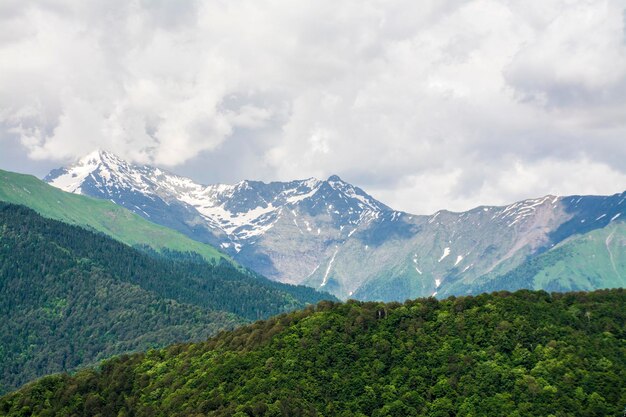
x=226 y=207
x=334 y=236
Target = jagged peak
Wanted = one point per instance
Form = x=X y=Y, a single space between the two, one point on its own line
x=97 y=155
x=114 y=169
x=311 y=182
x=106 y=164
x=92 y=158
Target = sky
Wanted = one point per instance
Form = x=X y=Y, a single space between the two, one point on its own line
x=424 y=104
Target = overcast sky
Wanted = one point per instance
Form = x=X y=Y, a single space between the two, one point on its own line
x=424 y=104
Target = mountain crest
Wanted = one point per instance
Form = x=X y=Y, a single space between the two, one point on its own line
x=238 y=212
x=100 y=157
x=97 y=155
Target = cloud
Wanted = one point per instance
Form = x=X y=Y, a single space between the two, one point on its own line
x=577 y=60
x=425 y=104
x=512 y=182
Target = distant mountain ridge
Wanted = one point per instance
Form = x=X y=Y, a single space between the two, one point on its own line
x=234 y=214
x=334 y=236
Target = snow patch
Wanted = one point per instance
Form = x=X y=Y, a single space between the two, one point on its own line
x=316 y=268
x=512 y=223
x=432 y=219
x=330 y=265
x=416 y=266
x=458 y=259
x=296 y=223
x=446 y=252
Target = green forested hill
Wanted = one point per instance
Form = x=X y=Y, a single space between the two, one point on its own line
x=98 y=215
x=70 y=297
x=505 y=354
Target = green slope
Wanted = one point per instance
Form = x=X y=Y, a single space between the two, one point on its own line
x=596 y=259
x=99 y=215
x=521 y=354
x=69 y=297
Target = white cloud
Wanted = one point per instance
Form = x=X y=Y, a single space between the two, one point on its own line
x=578 y=59
x=426 y=104
x=504 y=185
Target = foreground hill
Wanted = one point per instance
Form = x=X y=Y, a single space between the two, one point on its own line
x=332 y=235
x=70 y=297
x=505 y=354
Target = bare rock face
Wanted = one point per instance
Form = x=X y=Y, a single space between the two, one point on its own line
x=332 y=235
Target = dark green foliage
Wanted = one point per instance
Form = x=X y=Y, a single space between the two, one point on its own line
x=70 y=297
x=505 y=354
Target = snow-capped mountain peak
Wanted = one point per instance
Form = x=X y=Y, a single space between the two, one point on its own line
x=70 y=179
x=237 y=212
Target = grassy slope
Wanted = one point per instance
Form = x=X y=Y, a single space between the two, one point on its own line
x=584 y=262
x=594 y=260
x=99 y=215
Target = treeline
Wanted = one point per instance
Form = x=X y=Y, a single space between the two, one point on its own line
x=505 y=354
x=70 y=297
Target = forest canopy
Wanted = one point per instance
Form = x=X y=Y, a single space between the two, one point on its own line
x=506 y=354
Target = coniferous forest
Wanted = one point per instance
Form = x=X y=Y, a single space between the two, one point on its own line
x=505 y=354
x=71 y=297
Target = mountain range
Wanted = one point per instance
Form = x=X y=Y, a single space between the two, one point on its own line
x=331 y=235
x=156 y=259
